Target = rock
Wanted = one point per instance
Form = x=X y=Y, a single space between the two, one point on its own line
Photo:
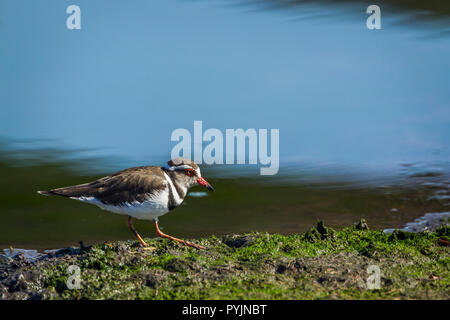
x=401 y=235
x=18 y=284
x=320 y=232
x=234 y=241
x=83 y=247
x=362 y=225
x=68 y=251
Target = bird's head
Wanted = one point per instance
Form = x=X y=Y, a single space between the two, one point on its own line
x=187 y=172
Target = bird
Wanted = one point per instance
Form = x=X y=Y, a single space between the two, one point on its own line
x=145 y=193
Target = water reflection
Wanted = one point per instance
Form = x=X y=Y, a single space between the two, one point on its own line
x=416 y=10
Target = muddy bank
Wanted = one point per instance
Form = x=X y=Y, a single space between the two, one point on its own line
x=321 y=263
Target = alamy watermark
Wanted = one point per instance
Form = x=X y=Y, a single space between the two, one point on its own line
x=74 y=20
x=239 y=145
x=74 y=280
x=374 y=279
x=374 y=20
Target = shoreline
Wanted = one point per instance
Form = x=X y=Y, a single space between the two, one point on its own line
x=319 y=264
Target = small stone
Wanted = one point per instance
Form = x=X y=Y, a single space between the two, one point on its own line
x=18 y=284
x=362 y=225
x=238 y=241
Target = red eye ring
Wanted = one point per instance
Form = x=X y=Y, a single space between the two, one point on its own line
x=189 y=172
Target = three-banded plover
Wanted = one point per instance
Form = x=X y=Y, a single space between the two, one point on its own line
x=142 y=192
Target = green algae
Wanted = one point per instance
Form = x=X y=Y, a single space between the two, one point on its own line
x=319 y=264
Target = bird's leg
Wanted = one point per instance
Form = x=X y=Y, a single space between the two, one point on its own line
x=188 y=243
x=130 y=224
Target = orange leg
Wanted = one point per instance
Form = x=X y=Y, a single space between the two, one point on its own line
x=188 y=243
x=130 y=224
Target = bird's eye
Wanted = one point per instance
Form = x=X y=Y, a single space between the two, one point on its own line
x=189 y=172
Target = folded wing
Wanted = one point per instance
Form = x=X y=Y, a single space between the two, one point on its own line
x=126 y=186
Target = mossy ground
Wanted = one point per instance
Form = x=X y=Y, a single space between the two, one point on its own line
x=320 y=264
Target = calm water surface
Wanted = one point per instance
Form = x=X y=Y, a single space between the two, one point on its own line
x=364 y=116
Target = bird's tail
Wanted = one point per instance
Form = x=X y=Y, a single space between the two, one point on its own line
x=46 y=193
x=72 y=191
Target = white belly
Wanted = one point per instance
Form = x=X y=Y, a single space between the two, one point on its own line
x=152 y=208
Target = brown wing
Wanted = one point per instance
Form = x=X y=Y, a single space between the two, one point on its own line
x=133 y=184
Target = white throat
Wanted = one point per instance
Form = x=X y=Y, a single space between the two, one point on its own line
x=177 y=198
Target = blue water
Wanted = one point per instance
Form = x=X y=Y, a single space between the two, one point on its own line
x=342 y=96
